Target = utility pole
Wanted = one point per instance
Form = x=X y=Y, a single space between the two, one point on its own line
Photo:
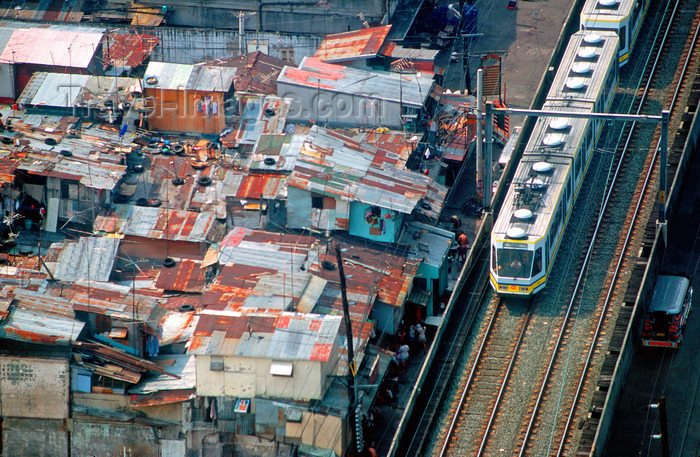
x=663 y=144
x=352 y=387
x=242 y=16
x=479 y=135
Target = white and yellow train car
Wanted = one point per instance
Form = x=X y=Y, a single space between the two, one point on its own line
x=529 y=228
x=624 y=17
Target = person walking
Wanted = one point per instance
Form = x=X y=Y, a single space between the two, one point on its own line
x=421 y=336
x=463 y=243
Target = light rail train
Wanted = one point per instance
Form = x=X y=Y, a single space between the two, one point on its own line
x=528 y=231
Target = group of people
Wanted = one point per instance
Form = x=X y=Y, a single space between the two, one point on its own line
x=462 y=240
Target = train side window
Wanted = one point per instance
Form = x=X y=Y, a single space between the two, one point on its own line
x=494 y=262
x=569 y=191
x=537 y=264
x=623 y=38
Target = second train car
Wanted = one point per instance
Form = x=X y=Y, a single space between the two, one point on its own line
x=624 y=17
x=528 y=231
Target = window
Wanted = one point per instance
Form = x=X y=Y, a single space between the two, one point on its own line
x=281 y=368
x=317 y=201
x=216 y=363
x=287 y=54
x=623 y=39
x=537 y=264
x=514 y=263
x=69 y=191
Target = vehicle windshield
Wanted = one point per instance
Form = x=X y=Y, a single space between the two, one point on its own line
x=515 y=263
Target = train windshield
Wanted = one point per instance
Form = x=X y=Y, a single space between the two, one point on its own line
x=514 y=263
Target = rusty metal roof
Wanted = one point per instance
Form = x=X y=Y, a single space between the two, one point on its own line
x=256 y=73
x=186 y=276
x=178 y=327
x=289 y=336
x=357 y=44
x=37 y=318
x=127 y=50
x=120 y=301
x=155 y=223
x=74 y=48
x=337 y=166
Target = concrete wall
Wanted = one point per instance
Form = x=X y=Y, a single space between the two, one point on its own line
x=34 y=438
x=318 y=430
x=249 y=378
x=7 y=83
x=381 y=228
x=34 y=387
x=113 y=439
x=189 y=46
x=290 y=16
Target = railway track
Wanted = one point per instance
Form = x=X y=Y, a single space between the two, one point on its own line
x=536 y=382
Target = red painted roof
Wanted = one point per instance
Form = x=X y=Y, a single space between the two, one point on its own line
x=56 y=48
x=352 y=45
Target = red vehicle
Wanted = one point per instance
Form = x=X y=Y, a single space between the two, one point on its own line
x=668 y=311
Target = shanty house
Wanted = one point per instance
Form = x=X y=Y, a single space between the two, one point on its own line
x=339 y=183
x=189 y=98
x=341 y=96
x=51 y=49
x=72 y=184
x=157 y=232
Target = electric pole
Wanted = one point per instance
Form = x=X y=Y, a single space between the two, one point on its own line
x=352 y=368
x=242 y=16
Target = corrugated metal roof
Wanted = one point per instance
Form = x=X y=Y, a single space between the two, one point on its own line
x=396 y=51
x=53 y=89
x=357 y=44
x=427 y=243
x=181 y=365
x=177 y=327
x=334 y=165
x=90 y=258
x=155 y=223
x=37 y=318
x=175 y=76
x=119 y=301
x=261 y=115
x=54 y=47
x=408 y=89
x=289 y=336
x=128 y=49
x=256 y=73
x=187 y=276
